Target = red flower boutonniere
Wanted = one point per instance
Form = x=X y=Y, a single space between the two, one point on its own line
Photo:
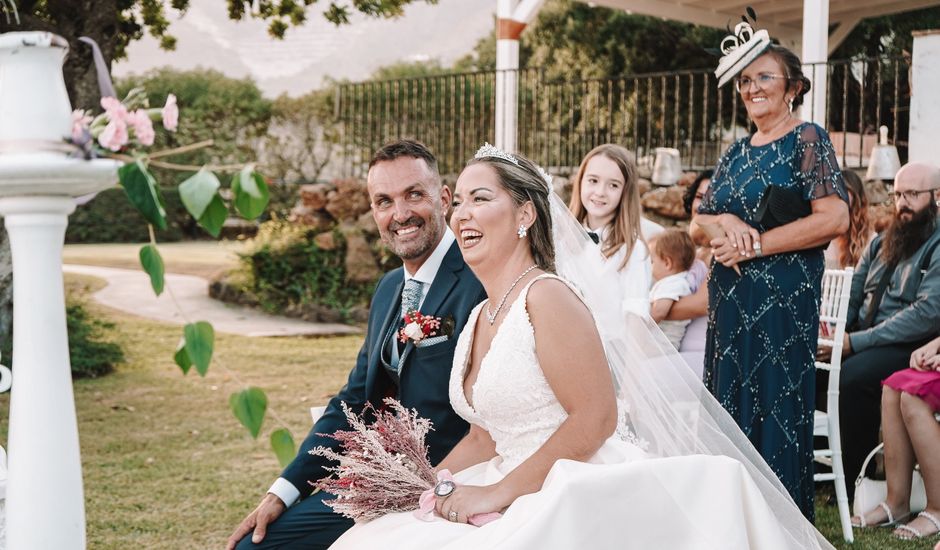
x=416 y=327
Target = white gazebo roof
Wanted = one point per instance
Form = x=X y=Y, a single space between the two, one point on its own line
x=812 y=28
x=783 y=19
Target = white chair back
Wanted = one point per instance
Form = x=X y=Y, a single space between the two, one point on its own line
x=833 y=311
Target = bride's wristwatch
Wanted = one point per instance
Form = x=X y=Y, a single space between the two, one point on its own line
x=444 y=488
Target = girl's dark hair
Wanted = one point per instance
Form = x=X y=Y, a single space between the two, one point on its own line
x=793 y=68
x=524 y=183
x=692 y=190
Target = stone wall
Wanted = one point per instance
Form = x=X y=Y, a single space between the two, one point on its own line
x=343 y=203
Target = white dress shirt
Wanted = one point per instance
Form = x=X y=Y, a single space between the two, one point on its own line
x=635 y=278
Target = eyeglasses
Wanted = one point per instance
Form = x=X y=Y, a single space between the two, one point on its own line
x=763 y=80
x=910 y=196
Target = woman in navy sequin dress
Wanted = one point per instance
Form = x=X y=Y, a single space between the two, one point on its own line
x=763 y=323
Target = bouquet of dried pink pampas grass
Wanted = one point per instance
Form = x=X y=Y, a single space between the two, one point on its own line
x=383 y=466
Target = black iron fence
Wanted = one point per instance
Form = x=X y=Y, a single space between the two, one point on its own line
x=559 y=121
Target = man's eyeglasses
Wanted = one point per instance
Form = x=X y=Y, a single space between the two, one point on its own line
x=909 y=195
x=763 y=80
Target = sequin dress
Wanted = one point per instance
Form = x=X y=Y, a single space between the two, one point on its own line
x=762 y=325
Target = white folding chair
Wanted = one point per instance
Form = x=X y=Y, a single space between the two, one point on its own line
x=833 y=311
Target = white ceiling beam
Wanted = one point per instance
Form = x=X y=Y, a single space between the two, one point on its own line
x=872 y=8
x=837 y=36
x=883 y=8
x=687 y=14
x=792 y=6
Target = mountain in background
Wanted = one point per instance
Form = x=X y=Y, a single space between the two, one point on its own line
x=308 y=54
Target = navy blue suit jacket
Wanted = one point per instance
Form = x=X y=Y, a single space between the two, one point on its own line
x=424 y=376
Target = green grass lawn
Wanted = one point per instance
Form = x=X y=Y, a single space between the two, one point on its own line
x=166 y=465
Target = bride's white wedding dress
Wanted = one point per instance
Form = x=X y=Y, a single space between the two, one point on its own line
x=621 y=498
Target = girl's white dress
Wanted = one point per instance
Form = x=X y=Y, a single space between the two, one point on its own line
x=621 y=498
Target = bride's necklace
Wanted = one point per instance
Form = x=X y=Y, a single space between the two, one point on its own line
x=491 y=317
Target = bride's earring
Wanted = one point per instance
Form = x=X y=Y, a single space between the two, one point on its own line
x=522 y=232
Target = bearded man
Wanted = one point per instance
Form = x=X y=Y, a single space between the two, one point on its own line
x=894 y=309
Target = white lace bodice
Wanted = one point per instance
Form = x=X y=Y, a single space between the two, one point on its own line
x=512 y=400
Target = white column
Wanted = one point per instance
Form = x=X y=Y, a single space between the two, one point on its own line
x=924 y=130
x=507 y=93
x=45 y=505
x=815 y=50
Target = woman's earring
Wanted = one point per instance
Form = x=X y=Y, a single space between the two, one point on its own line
x=790 y=104
x=522 y=232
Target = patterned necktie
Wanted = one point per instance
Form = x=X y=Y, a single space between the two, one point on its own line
x=410 y=297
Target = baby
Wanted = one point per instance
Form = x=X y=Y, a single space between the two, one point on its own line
x=672 y=253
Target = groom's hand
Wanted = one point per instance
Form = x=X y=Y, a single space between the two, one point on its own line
x=270 y=509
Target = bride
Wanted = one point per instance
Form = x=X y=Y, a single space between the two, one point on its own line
x=585 y=432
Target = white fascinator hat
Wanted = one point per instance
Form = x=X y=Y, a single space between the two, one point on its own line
x=739 y=49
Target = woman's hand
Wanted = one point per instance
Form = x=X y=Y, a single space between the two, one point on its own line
x=932 y=363
x=739 y=235
x=926 y=357
x=726 y=253
x=470 y=500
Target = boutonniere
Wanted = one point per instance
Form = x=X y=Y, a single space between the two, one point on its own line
x=416 y=327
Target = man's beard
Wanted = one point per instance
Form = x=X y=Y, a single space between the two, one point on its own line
x=903 y=238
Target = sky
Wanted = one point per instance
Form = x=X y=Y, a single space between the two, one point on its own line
x=207 y=38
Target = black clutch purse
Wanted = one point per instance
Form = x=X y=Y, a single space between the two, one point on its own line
x=780 y=206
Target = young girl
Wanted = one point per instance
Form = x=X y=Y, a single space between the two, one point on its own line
x=606 y=200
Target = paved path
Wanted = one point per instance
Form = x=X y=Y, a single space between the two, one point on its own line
x=129 y=290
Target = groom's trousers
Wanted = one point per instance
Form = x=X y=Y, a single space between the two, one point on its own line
x=308 y=524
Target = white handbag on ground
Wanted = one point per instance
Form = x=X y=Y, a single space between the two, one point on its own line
x=870 y=492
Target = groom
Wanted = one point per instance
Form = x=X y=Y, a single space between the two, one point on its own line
x=409 y=205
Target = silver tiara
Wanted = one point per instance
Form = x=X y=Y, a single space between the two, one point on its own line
x=491 y=151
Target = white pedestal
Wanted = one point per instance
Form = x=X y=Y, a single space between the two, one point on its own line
x=45 y=505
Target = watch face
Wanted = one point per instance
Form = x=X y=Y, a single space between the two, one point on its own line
x=444 y=488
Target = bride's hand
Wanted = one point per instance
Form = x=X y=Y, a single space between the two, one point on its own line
x=470 y=500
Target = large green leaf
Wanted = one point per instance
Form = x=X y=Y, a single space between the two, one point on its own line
x=198 y=192
x=249 y=406
x=200 y=339
x=283 y=444
x=251 y=193
x=214 y=216
x=181 y=358
x=153 y=264
x=141 y=189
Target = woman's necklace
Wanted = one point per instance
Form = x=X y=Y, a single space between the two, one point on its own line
x=491 y=317
x=771 y=133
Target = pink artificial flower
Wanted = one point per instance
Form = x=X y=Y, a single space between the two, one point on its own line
x=171 y=113
x=114 y=136
x=80 y=122
x=143 y=126
x=114 y=109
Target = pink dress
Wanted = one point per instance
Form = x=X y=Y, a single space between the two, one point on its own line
x=925 y=385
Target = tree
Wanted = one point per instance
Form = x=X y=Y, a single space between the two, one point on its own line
x=114 y=24
x=229 y=111
x=302 y=138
